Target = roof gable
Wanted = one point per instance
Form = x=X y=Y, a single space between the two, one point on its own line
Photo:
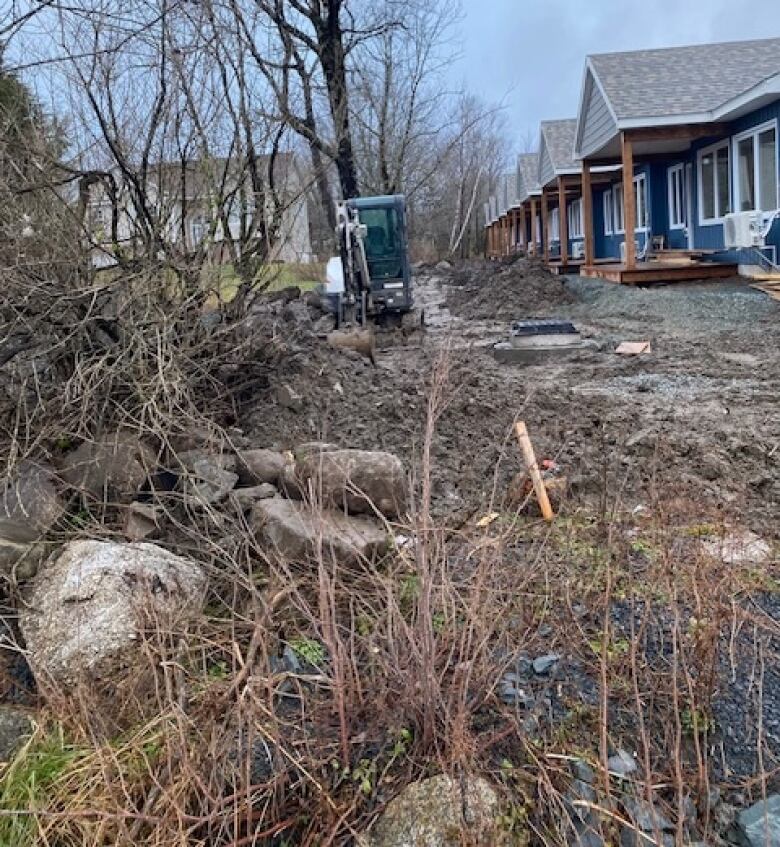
x=596 y=124
x=527 y=175
x=556 y=149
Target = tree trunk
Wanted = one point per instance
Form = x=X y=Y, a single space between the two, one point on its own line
x=331 y=43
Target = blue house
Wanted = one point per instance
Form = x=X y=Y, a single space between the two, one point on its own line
x=529 y=195
x=695 y=133
x=559 y=178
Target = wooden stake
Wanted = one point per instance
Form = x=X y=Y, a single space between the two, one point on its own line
x=533 y=469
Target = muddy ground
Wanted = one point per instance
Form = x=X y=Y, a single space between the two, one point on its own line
x=695 y=420
x=687 y=435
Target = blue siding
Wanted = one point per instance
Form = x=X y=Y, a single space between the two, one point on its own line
x=707 y=237
x=608 y=246
x=710 y=237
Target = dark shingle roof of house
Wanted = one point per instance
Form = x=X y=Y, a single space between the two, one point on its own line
x=684 y=80
x=559 y=141
x=528 y=171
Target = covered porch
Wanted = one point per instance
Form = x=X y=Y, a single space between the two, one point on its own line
x=644 y=258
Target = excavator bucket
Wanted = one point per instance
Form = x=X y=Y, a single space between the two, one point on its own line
x=361 y=339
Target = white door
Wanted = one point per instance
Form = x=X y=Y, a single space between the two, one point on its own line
x=689 y=204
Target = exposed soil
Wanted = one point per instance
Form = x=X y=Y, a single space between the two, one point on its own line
x=697 y=416
x=689 y=431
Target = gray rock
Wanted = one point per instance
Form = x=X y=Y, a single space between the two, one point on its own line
x=113 y=466
x=759 y=826
x=622 y=764
x=15 y=728
x=294 y=531
x=288 y=398
x=512 y=692
x=208 y=478
x=440 y=812
x=544 y=664
x=309 y=447
x=587 y=834
x=578 y=794
x=86 y=611
x=142 y=521
x=584 y=771
x=631 y=838
x=29 y=503
x=739 y=548
x=260 y=466
x=357 y=481
x=443 y=265
x=247 y=497
x=646 y=816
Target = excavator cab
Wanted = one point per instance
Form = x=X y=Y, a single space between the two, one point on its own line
x=382 y=230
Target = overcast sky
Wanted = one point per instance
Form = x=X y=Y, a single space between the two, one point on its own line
x=532 y=52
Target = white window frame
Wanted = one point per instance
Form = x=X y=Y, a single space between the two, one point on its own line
x=554 y=224
x=617 y=198
x=754 y=132
x=640 y=180
x=574 y=214
x=608 y=221
x=675 y=181
x=713 y=148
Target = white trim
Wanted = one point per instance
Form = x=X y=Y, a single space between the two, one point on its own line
x=606 y=200
x=641 y=178
x=617 y=194
x=753 y=133
x=679 y=171
x=712 y=148
x=574 y=215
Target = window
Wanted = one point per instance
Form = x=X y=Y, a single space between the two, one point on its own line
x=574 y=214
x=640 y=201
x=676 y=184
x=617 y=205
x=555 y=232
x=756 y=169
x=198 y=229
x=714 y=183
x=608 y=212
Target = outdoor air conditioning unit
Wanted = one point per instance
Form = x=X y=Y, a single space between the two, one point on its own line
x=577 y=250
x=744 y=229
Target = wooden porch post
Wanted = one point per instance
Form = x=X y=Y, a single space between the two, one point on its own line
x=545 y=229
x=629 y=201
x=534 y=228
x=563 y=221
x=523 y=229
x=587 y=214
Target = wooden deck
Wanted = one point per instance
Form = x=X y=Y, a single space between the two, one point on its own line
x=572 y=266
x=648 y=273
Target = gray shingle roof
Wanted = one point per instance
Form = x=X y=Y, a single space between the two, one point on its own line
x=559 y=140
x=528 y=174
x=684 y=80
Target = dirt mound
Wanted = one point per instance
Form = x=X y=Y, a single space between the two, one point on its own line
x=349 y=401
x=512 y=288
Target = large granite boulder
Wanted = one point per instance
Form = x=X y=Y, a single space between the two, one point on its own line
x=440 y=812
x=88 y=609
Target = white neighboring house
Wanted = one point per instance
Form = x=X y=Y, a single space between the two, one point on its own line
x=174 y=187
